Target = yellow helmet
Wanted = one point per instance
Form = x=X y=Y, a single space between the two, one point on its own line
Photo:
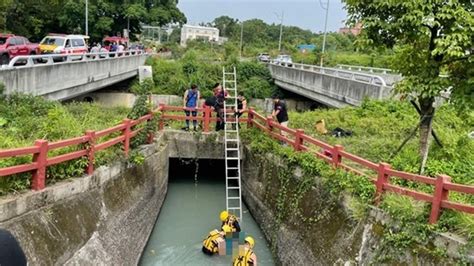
x=250 y=240
x=226 y=228
x=224 y=215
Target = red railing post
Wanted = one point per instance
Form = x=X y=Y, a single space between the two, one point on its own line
x=269 y=124
x=38 y=181
x=162 y=121
x=207 y=118
x=150 y=135
x=440 y=194
x=90 y=151
x=382 y=179
x=250 y=117
x=298 y=139
x=336 y=156
x=126 y=134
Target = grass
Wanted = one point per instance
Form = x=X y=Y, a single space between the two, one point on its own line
x=25 y=119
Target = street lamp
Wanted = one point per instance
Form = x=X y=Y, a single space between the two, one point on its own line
x=325 y=29
x=241 y=38
x=281 y=27
x=87 y=18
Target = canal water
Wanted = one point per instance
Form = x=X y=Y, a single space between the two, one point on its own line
x=190 y=211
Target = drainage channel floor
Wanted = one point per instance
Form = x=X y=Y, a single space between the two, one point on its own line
x=189 y=212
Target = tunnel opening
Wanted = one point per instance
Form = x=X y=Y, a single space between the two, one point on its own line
x=195 y=197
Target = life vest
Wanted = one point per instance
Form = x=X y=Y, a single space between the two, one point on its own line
x=244 y=260
x=234 y=228
x=210 y=243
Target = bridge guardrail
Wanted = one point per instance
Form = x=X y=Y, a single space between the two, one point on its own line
x=361 y=77
x=379 y=174
x=49 y=59
x=367 y=69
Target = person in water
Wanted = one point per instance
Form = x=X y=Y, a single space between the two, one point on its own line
x=246 y=255
x=230 y=220
x=215 y=242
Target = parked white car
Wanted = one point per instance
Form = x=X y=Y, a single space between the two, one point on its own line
x=283 y=60
x=263 y=57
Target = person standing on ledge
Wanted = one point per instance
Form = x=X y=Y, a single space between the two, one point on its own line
x=190 y=100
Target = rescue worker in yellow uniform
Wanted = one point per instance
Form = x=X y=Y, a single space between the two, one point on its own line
x=215 y=243
x=230 y=220
x=246 y=255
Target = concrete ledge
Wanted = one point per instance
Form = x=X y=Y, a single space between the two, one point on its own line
x=190 y=145
x=104 y=218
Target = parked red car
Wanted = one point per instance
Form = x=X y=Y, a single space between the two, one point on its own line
x=109 y=40
x=12 y=45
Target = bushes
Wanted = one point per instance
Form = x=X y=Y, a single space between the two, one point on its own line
x=27 y=118
x=174 y=77
x=411 y=215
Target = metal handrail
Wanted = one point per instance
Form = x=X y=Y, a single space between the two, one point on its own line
x=368 y=69
x=360 y=77
x=48 y=59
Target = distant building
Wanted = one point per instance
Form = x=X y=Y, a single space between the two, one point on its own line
x=354 y=31
x=304 y=48
x=190 y=32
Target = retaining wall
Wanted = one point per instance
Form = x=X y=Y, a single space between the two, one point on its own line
x=103 y=218
x=333 y=236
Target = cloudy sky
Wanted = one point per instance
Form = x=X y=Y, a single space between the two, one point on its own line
x=307 y=14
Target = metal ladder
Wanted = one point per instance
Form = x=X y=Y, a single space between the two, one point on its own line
x=233 y=192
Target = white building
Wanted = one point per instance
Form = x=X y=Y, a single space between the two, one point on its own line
x=190 y=32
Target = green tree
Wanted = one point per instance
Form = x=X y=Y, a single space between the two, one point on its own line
x=430 y=37
x=225 y=24
x=36 y=18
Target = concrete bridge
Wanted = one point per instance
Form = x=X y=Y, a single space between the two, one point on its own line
x=73 y=76
x=330 y=86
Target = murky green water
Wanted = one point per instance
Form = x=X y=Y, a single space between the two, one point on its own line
x=189 y=212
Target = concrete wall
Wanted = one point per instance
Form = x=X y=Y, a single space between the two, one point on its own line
x=63 y=81
x=333 y=237
x=326 y=89
x=195 y=145
x=105 y=218
x=124 y=99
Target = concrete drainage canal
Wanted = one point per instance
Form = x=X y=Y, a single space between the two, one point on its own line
x=158 y=212
x=191 y=209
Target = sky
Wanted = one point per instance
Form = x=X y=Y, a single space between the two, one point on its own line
x=306 y=14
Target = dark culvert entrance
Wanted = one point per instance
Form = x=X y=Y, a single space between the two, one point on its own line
x=196 y=196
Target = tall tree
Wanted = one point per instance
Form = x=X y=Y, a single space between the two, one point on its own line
x=225 y=24
x=430 y=37
x=36 y=18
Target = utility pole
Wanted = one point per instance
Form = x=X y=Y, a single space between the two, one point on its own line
x=87 y=17
x=281 y=28
x=325 y=29
x=241 y=38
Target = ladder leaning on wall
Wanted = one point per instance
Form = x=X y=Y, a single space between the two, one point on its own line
x=233 y=190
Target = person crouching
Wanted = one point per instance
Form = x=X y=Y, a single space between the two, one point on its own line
x=215 y=242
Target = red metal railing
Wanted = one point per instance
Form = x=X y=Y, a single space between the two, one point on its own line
x=379 y=174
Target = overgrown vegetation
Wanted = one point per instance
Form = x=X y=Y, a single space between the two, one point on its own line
x=23 y=119
x=292 y=200
x=379 y=127
x=203 y=67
